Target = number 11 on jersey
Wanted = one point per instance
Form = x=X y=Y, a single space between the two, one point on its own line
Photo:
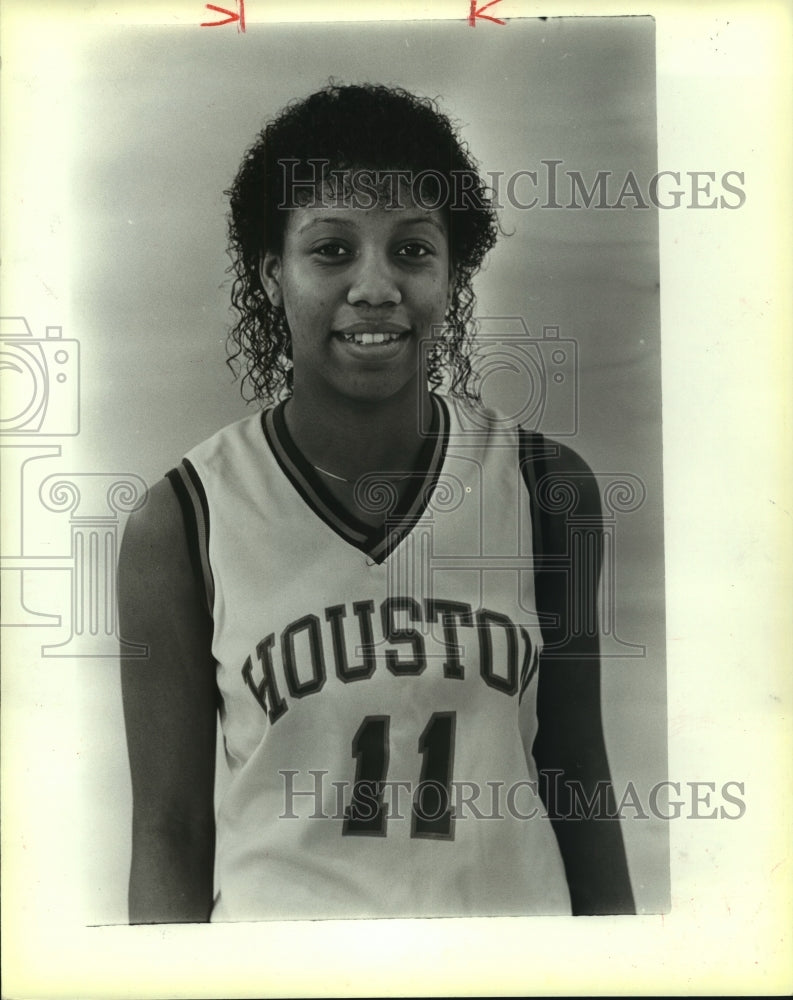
x=431 y=802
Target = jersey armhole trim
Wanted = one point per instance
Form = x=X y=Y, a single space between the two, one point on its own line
x=532 y=454
x=192 y=499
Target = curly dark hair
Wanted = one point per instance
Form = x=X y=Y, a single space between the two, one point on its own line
x=345 y=127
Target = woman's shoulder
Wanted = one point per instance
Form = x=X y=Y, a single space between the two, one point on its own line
x=159 y=577
x=557 y=456
x=558 y=476
x=154 y=533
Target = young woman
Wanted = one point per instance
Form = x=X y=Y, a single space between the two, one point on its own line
x=354 y=578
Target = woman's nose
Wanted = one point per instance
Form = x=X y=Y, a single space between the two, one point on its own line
x=374 y=282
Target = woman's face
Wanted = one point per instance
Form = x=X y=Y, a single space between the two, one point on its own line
x=362 y=288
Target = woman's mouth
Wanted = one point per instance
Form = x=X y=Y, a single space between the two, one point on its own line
x=364 y=339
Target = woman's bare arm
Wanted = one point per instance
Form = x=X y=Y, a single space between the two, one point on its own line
x=570 y=750
x=170 y=713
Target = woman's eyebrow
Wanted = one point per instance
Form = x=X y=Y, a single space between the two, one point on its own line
x=348 y=223
x=333 y=220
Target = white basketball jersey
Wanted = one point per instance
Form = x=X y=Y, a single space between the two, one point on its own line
x=378 y=686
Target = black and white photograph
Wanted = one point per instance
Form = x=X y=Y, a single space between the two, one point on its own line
x=344 y=523
x=354 y=577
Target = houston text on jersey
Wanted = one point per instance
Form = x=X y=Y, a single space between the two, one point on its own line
x=399 y=646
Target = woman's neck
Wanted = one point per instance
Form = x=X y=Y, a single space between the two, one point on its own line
x=352 y=438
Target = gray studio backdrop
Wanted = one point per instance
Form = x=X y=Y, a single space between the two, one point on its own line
x=159 y=119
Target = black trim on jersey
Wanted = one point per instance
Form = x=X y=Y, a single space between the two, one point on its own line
x=379 y=542
x=192 y=499
x=556 y=573
x=534 y=450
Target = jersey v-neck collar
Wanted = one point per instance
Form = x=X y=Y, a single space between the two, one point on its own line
x=377 y=543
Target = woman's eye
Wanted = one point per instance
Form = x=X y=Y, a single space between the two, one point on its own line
x=331 y=250
x=413 y=250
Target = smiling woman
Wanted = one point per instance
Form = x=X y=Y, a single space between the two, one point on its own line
x=357 y=582
x=361 y=290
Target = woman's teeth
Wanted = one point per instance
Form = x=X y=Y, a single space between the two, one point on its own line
x=370 y=338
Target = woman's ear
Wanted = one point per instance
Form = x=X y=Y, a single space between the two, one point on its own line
x=270 y=275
